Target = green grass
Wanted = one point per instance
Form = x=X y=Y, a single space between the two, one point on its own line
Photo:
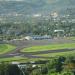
x=10 y=59
x=4 y=48
x=66 y=54
x=20 y=59
x=25 y=59
x=49 y=47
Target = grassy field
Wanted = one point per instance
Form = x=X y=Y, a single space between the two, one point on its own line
x=25 y=59
x=49 y=47
x=10 y=59
x=66 y=54
x=4 y=48
x=20 y=59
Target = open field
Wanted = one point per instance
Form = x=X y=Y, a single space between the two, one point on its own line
x=49 y=47
x=4 y=48
x=34 y=50
x=10 y=59
x=20 y=59
x=37 y=57
x=65 y=54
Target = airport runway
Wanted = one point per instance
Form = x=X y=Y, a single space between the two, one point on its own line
x=24 y=44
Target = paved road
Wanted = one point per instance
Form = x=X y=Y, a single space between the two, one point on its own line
x=49 y=51
x=33 y=54
x=23 y=44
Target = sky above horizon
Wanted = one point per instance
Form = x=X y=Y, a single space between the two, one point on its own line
x=12 y=0
x=27 y=0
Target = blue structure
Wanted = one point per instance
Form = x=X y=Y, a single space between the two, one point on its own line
x=37 y=37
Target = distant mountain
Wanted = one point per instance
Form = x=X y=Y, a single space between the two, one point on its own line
x=19 y=10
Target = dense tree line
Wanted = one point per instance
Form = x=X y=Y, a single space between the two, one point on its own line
x=55 y=66
x=37 y=27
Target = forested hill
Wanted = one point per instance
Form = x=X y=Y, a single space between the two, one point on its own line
x=19 y=17
x=27 y=7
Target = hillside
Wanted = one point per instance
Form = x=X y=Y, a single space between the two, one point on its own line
x=19 y=17
x=26 y=8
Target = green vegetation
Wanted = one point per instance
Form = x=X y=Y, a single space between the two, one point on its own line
x=54 y=66
x=10 y=59
x=65 y=54
x=49 y=47
x=25 y=59
x=36 y=26
x=4 y=48
x=71 y=38
x=20 y=59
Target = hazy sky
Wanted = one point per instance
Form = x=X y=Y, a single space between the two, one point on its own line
x=12 y=0
x=27 y=0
